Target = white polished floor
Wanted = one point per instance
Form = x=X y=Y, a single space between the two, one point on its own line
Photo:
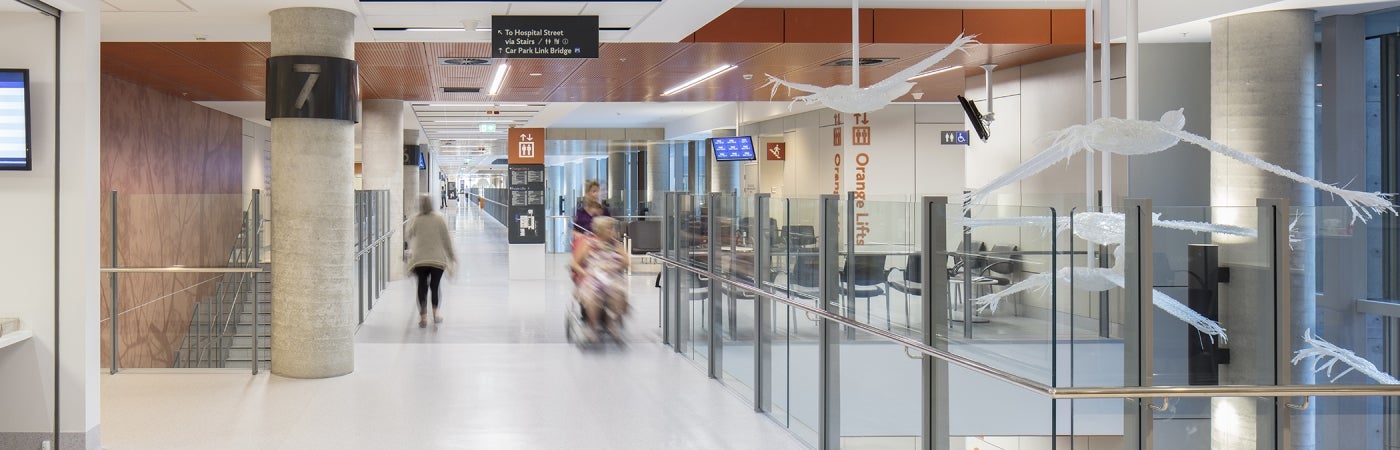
x=497 y=374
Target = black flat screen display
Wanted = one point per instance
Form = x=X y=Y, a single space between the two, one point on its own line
x=15 y=143
x=735 y=148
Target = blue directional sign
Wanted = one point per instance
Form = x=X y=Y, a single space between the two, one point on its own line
x=956 y=137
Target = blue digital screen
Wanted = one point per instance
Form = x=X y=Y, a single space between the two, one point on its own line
x=422 y=163
x=737 y=148
x=14 y=119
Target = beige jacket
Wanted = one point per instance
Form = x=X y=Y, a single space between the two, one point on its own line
x=429 y=242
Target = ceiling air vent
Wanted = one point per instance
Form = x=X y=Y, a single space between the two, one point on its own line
x=864 y=62
x=464 y=61
x=461 y=90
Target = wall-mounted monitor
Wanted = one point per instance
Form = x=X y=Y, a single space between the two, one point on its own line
x=733 y=148
x=979 y=123
x=15 y=142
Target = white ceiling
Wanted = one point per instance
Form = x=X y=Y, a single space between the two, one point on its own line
x=631 y=115
x=10 y=6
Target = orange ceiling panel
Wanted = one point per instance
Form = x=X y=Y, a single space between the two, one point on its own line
x=217 y=54
x=1008 y=26
x=825 y=25
x=397 y=82
x=391 y=54
x=701 y=57
x=916 y=25
x=457 y=50
x=745 y=25
x=1067 y=26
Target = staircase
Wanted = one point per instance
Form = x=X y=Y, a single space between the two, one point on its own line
x=221 y=327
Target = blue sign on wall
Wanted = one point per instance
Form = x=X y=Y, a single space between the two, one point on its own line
x=956 y=137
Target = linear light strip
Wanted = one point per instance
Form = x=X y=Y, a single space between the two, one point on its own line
x=934 y=72
x=697 y=80
x=499 y=79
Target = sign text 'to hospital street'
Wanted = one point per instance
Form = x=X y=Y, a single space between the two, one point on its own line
x=544 y=36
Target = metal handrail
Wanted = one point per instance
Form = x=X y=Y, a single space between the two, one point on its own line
x=181 y=269
x=969 y=364
x=483 y=197
x=375 y=243
x=1058 y=393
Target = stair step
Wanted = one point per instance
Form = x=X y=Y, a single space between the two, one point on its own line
x=246 y=341
x=244 y=364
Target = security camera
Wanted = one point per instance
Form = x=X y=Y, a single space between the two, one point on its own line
x=748 y=76
x=918 y=95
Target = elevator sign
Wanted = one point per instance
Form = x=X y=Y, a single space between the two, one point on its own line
x=526 y=145
x=544 y=36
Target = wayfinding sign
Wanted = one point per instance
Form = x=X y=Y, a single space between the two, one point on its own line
x=544 y=36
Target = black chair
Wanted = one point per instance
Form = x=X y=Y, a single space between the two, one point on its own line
x=802 y=281
x=1005 y=263
x=801 y=236
x=864 y=278
x=645 y=236
x=910 y=283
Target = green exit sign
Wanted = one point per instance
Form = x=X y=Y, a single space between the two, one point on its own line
x=487 y=128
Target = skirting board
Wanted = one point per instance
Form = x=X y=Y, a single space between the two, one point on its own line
x=91 y=440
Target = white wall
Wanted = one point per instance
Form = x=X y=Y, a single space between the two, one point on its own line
x=257 y=158
x=28 y=270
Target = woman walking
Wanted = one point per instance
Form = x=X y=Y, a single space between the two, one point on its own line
x=430 y=246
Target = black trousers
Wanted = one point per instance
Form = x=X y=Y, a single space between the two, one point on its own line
x=428 y=277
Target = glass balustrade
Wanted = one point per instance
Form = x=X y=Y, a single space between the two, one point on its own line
x=1171 y=327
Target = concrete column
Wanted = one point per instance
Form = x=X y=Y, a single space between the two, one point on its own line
x=383 y=165
x=313 y=174
x=410 y=176
x=725 y=176
x=1262 y=103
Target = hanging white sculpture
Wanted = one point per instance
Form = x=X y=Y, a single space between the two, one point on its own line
x=852 y=99
x=1320 y=350
x=1104 y=229
x=1139 y=137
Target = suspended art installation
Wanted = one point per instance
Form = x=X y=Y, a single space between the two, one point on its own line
x=1140 y=137
x=853 y=99
x=1103 y=229
x=1321 y=350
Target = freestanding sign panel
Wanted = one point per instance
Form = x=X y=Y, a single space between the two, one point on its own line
x=526 y=204
x=525 y=145
x=544 y=36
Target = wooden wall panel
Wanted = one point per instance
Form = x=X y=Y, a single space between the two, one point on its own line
x=1008 y=26
x=917 y=26
x=1067 y=26
x=177 y=167
x=825 y=25
x=745 y=25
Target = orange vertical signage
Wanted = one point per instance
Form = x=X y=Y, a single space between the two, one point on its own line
x=525 y=146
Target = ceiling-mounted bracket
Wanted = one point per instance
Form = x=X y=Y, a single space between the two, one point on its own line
x=991 y=114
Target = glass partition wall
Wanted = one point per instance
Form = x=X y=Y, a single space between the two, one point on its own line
x=1144 y=328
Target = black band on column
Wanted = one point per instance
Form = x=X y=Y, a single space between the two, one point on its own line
x=313 y=87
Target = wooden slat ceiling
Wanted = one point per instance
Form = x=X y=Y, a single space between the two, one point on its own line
x=633 y=72
x=624 y=72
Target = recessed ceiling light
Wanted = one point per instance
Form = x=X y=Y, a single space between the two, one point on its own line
x=499 y=79
x=535 y=74
x=934 y=72
x=697 y=80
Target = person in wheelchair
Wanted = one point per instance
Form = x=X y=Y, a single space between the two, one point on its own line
x=601 y=263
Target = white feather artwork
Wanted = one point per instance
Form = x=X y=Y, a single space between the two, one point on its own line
x=1139 y=137
x=1321 y=350
x=852 y=99
x=1103 y=229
